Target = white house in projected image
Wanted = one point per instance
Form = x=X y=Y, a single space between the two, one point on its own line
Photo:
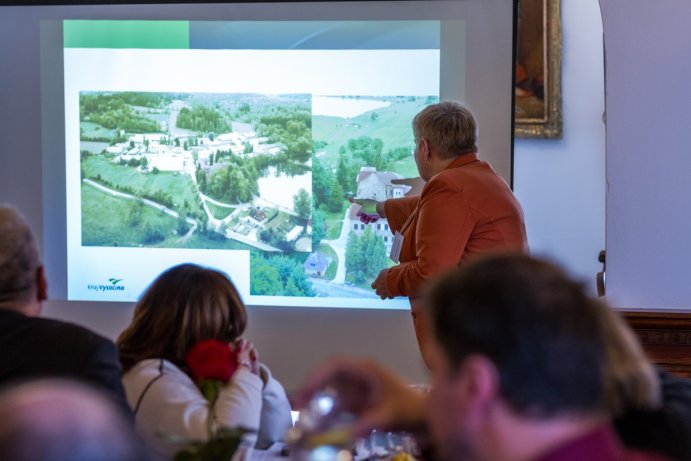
x=373 y=184
x=243 y=140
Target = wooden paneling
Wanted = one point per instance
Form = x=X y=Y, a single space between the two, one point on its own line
x=666 y=337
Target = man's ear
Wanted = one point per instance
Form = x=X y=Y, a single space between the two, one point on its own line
x=41 y=284
x=480 y=380
x=426 y=149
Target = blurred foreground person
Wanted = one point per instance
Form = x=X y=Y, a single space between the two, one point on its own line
x=518 y=371
x=56 y=420
x=35 y=347
x=185 y=306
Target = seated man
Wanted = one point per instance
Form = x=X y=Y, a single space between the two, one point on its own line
x=38 y=347
x=665 y=428
x=56 y=420
x=518 y=358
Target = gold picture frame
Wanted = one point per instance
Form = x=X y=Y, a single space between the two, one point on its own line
x=538 y=108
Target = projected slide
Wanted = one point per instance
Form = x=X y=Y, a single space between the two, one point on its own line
x=206 y=142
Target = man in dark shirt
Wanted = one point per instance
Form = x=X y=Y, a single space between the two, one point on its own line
x=667 y=428
x=34 y=347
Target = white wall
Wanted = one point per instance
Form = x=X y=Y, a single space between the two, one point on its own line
x=561 y=183
x=648 y=146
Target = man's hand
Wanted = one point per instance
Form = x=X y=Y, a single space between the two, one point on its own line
x=380 y=400
x=379 y=285
x=367 y=218
x=369 y=206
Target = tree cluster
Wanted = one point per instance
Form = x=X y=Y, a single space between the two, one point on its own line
x=365 y=256
x=327 y=190
x=134 y=162
x=276 y=237
x=202 y=119
x=291 y=127
x=302 y=202
x=235 y=183
x=278 y=276
x=112 y=111
x=318 y=228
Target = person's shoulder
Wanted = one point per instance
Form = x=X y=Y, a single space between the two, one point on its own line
x=471 y=168
x=477 y=176
x=169 y=379
x=149 y=368
x=69 y=341
x=68 y=331
x=480 y=169
x=673 y=384
x=468 y=176
x=46 y=327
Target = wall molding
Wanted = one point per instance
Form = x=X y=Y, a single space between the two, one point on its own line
x=665 y=336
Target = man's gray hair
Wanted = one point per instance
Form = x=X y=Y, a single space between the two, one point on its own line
x=19 y=258
x=449 y=127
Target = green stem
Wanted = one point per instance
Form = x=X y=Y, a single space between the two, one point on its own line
x=210 y=389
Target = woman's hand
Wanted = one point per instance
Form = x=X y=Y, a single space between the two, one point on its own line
x=247 y=355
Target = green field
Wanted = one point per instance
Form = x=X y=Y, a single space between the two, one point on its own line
x=406 y=168
x=107 y=221
x=334 y=223
x=178 y=187
x=219 y=212
x=110 y=221
x=198 y=240
x=392 y=126
x=327 y=251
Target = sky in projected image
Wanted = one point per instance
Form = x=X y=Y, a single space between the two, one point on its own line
x=239 y=159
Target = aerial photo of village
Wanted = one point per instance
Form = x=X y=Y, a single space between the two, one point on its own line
x=264 y=173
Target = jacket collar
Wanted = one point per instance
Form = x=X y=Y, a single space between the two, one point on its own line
x=462 y=159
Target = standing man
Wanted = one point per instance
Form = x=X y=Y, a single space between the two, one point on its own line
x=34 y=347
x=464 y=210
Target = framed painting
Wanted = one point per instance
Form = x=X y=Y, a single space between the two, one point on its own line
x=538 y=109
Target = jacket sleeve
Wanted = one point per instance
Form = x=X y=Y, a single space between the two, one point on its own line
x=174 y=406
x=101 y=368
x=398 y=210
x=275 y=414
x=444 y=225
x=239 y=403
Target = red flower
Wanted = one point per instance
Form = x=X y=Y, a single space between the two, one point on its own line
x=211 y=359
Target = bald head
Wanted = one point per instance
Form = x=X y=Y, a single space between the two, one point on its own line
x=20 y=265
x=56 y=420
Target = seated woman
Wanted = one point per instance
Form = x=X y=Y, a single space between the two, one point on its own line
x=185 y=305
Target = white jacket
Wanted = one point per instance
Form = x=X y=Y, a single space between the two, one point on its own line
x=168 y=405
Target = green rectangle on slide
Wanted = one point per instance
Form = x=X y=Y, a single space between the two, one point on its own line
x=126 y=34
